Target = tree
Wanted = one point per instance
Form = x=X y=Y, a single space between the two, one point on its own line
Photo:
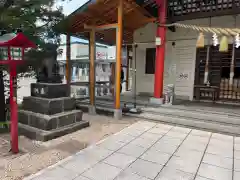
x=36 y=19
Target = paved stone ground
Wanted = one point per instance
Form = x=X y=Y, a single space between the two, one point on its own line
x=147 y=151
x=35 y=155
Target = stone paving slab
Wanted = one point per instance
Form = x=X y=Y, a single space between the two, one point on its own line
x=153 y=151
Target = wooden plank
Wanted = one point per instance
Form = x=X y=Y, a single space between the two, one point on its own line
x=119 y=54
x=93 y=14
x=92 y=67
x=101 y=27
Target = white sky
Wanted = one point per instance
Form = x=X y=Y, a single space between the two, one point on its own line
x=70 y=6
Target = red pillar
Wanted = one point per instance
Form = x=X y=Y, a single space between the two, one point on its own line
x=13 y=105
x=160 y=50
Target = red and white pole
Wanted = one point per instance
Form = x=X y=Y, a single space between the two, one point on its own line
x=160 y=50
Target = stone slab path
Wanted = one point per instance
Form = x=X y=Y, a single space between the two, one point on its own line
x=152 y=151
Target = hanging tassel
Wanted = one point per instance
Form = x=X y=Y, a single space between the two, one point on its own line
x=200 y=41
x=223 y=47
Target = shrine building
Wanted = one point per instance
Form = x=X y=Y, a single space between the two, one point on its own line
x=161 y=39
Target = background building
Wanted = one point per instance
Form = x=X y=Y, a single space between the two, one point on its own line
x=184 y=64
x=105 y=57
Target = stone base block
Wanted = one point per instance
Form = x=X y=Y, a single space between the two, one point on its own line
x=118 y=114
x=48 y=106
x=46 y=122
x=92 y=110
x=49 y=90
x=156 y=101
x=42 y=135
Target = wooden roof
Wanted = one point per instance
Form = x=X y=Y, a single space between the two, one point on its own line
x=137 y=12
x=102 y=12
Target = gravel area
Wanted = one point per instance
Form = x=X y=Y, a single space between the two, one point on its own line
x=35 y=155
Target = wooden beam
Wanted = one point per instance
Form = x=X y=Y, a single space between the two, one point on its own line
x=101 y=27
x=149 y=20
x=68 y=64
x=119 y=54
x=92 y=67
x=135 y=6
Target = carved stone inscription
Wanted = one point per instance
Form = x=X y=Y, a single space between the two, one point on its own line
x=40 y=90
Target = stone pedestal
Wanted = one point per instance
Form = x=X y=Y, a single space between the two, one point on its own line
x=48 y=113
x=156 y=101
x=92 y=110
x=49 y=90
x=117 y=114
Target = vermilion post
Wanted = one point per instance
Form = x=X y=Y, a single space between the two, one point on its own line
x=14 y=119
x=160 y=50
x=13 y=105
x=15 y=127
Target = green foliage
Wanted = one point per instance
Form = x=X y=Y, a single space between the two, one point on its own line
x=36 y=18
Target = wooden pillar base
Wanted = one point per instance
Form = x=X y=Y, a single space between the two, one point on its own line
x=92 y=110
x=118 y=114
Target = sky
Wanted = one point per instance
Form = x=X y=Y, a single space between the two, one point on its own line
x=70 y=6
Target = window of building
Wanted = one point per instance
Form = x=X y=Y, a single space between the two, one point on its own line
x=150 y=61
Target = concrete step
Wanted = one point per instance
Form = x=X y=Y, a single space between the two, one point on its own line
x=130 y=99
x=211 y=116
x=104 y=103
x=229 y=110
x=43 y=135
x=49 y=122
x=48 y=106
x=191 y=122
x=100 y=109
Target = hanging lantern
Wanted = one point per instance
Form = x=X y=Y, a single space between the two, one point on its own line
x=237 y=41
x=200 y=41
x=223 y=47
x=215 y=39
